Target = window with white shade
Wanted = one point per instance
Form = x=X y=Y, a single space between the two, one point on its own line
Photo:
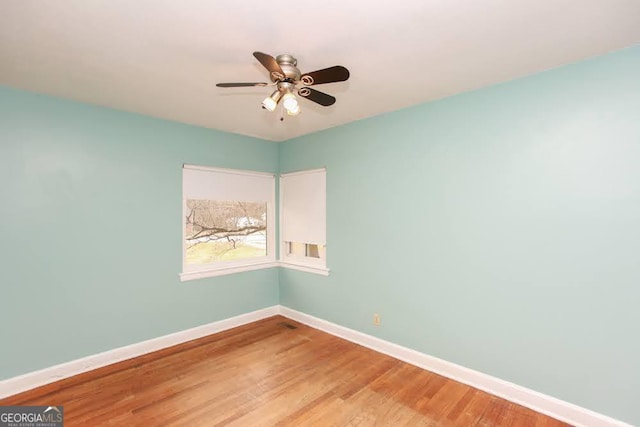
x=228 y=221
x=303 y=220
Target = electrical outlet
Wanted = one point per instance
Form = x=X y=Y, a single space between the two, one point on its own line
x=376 y=319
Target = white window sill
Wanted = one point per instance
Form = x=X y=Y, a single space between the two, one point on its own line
x=193 y=275
x=315 y=269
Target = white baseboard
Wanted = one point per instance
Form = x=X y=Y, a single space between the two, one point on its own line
x=39 y=378
x=539 y=402
x=556 y=408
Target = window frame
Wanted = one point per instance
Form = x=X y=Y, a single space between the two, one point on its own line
x=219 y=268
x=307 y=264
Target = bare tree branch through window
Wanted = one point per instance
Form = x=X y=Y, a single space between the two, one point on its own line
x=221 y=230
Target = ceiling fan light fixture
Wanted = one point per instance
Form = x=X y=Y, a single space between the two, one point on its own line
x=290 y=103
x=271 y=101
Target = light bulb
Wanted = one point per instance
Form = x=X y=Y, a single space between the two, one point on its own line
x=270 y=102
x=294 y=111
x=290 y=103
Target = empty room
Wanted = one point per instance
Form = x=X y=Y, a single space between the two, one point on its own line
x=410 y=213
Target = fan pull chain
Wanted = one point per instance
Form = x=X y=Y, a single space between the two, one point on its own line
x=281 y=112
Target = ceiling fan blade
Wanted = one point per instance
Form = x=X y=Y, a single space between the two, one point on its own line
x=240 y=84
x=337 y=73
x=317 y=96
x=270 y=63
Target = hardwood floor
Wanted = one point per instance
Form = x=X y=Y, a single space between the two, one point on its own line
x=266 y=374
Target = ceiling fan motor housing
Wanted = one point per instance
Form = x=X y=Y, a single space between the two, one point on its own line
x=285 y=87
x=288 y=65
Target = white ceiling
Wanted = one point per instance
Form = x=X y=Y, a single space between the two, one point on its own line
x=162 y=58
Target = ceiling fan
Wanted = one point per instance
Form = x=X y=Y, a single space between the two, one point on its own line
x=286 y=76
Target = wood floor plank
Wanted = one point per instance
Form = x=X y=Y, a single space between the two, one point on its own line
x=266 y=374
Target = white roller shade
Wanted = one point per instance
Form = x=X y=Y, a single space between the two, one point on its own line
x=203 y=183
x=303 y=215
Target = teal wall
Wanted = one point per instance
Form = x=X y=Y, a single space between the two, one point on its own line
x=497 y=229
x=90 y=239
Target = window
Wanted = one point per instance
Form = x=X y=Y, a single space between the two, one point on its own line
x=303 y=220
x=228 y=221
